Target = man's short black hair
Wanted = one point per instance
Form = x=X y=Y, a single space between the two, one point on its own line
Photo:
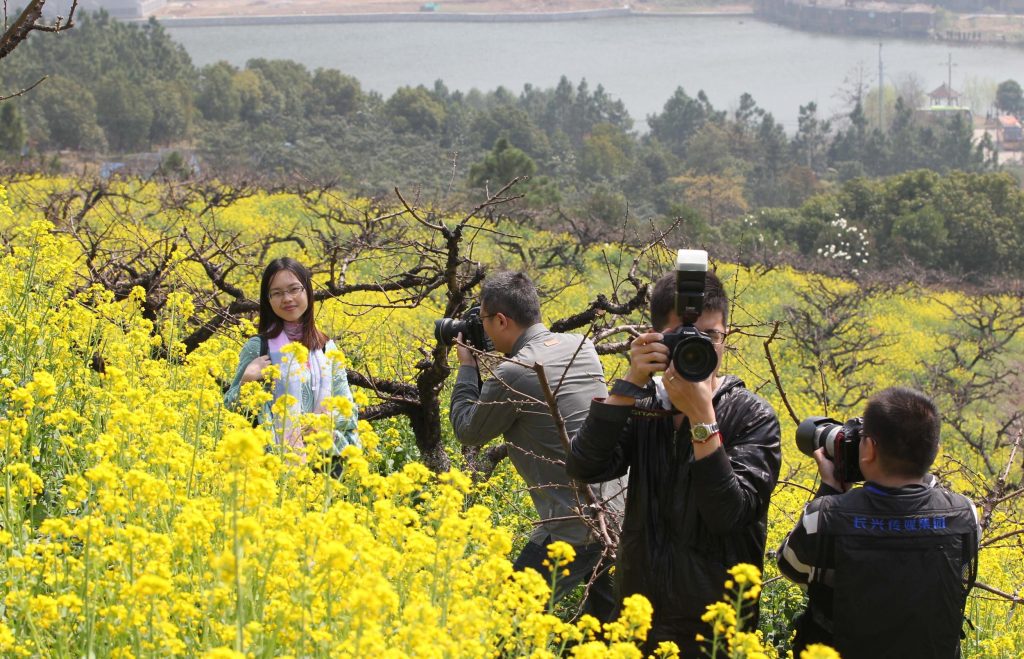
x=512 y=294
x=905 y=425
x=663 y=299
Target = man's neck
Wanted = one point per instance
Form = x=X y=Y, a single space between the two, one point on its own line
x=516 y=338
x=894 y=482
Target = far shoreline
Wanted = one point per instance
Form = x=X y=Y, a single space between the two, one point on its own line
x=741 y=11
x=738 y=10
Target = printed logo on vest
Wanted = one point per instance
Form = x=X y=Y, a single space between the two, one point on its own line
x=899 y=524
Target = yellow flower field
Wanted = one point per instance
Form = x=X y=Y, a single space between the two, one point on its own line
x=141 y=518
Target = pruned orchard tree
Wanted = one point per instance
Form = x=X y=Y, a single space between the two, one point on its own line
x=980 y=389
x=837 y=347
x=973 y=379
x=169 y=236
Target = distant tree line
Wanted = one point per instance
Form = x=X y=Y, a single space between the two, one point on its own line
x=963 y=225
x=116 y=88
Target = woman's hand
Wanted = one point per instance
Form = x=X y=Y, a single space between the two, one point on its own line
x=254 y=371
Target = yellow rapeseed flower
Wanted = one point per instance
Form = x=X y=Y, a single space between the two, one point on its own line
x=25 y=480
x=720 y=612
x=745 y=573
x=819 y=651
x=298 y=352
x=241 y=447
x=667 y=650
x=339 y=405
x=151 y=585
x=43 y=385
x=561 y=553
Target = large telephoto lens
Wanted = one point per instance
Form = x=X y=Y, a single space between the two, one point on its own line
x=447 y=329
x=816 y=432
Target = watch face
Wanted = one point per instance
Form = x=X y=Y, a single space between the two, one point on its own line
x=702 y=431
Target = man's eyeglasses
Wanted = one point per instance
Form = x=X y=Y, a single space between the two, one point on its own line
x=292 y=291
x=718 y=338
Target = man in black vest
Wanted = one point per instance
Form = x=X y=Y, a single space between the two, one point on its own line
x=888 y=565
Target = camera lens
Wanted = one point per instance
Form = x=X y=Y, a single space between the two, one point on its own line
x=836 y=434
x=807 y=434
x=840 y=441
x=695 y=358
x=816 y=432
x=447 y=329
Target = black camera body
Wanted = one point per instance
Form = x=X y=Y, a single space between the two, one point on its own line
x=693 y=353
x=471 y=327
x=841 y=442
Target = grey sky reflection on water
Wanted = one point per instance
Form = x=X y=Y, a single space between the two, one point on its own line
x=640 y=60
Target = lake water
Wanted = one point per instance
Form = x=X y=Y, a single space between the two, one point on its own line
x=640 y=60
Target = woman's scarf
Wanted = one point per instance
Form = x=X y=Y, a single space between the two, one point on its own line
x=294 y=331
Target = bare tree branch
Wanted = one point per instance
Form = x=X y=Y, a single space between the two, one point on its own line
x=28 y=21
x=775 y=372
x=1016 y=599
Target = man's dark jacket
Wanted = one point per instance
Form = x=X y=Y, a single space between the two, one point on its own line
x=686 y=522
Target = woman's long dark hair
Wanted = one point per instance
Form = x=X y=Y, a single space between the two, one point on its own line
x=271 y=324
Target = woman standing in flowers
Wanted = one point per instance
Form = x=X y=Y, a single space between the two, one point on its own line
x=311 y=400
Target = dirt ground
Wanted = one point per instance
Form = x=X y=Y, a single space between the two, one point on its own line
x=292 y=7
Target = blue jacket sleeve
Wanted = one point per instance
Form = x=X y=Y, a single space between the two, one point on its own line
x=345 y=432
x=250 y=351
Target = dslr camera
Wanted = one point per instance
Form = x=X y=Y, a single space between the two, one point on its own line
x=471 y=327
x=693 y=353
x=841 y=442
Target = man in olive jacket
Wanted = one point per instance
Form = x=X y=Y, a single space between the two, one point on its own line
x=700 y=474
x=510 y=403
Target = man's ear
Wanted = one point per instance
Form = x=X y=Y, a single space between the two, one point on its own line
x=868 y=450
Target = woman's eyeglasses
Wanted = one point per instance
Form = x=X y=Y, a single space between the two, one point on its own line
x=292 y=292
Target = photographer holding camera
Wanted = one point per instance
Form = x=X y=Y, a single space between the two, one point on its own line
x=512 y=403
x=887 y=566
x=702 y=453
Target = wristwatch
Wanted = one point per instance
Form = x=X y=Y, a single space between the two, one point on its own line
x=627 y=389
x=702 y=432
